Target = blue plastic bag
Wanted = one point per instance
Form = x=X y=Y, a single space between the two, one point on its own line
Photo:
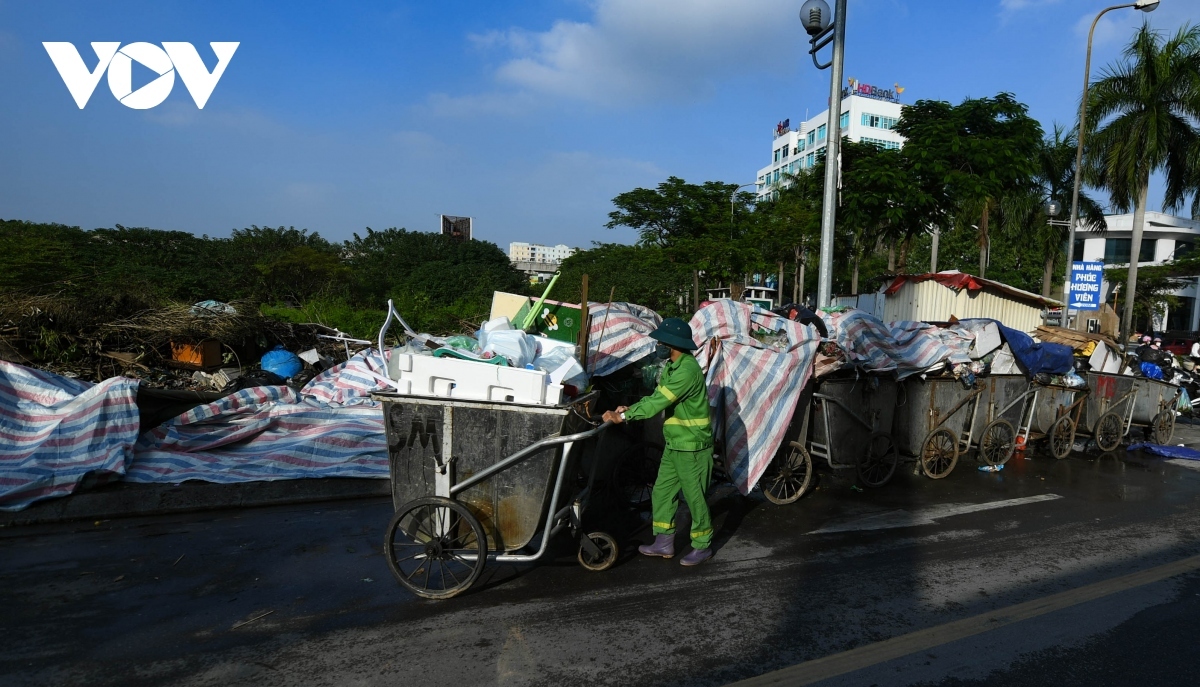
x=1151 y=371
x=281 y=362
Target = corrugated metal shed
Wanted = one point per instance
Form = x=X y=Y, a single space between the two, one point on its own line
x=931 y=301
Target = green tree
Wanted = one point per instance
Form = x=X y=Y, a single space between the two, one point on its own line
x=1144 y=113
x=976 y=154
x=635 y=274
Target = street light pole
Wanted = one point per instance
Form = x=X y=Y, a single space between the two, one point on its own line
x=1145 y=6
x=814 y=16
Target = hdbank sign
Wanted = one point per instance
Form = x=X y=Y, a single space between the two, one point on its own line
x=1086 y=281
x=118 y=61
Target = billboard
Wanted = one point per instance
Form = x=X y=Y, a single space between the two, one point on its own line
x=1087 y=278
x=456 y=227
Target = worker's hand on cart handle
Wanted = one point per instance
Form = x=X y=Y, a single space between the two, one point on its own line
x=614 y=416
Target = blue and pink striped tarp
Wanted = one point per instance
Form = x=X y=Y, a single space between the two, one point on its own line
x=331 y=428
x=619 y=335
x=756 y=364
x=55 y=432
x=905 y=348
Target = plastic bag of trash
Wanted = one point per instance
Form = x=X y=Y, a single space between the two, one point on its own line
x=562 y=367
x=518 y=347
x=211 y=308
x=282 y=362
x=462 y=343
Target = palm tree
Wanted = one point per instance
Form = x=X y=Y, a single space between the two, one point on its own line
x=1146 y=112
x=1054 y=181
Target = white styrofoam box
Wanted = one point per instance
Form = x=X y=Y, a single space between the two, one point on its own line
x=986 y=341
x=1003 y=362
x=546 y=344
x=553 y=394
x=423 y=375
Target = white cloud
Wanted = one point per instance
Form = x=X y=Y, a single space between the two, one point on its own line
x=636 y=52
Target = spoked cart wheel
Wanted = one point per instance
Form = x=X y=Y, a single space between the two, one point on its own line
x=608 y=552
x=877 y=465
x=1163 y=427
x=789 y=475
x=435 y=547
x=939 y=453
x=1109 y=431
x=998 y=442
x=1062 y=437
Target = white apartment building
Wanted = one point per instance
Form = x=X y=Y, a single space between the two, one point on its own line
x=536 y=252
x=869 y=115
x=1164 y=237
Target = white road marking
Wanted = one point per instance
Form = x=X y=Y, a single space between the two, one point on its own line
x=927 y=516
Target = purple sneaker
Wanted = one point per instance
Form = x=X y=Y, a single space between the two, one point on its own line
x=663 y=546
x=696 y=557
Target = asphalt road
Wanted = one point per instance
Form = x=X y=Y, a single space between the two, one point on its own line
x=1014 y=578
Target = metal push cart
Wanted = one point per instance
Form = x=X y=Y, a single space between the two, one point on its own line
x=934 y=421
x=1116 y=403
x=1002 y=407
x=845 y=421
x=475 y=481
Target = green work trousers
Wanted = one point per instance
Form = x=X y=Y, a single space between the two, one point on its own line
x=689 y=471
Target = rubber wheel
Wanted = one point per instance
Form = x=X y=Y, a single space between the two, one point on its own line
x=608 y=552
x=635 y=474
x=1163 y=427
x=1062 y=437
x=878 y=463
x=998 y=442
x=939 y=453
x=789 y=475
x=1109 y=431
x=435 y=547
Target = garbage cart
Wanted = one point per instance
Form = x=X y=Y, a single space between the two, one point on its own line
x=1116 y=403
x=477 y=481
x=994 y=426
x=933 y=422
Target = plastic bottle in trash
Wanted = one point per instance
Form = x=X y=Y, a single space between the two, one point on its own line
x=991 y=468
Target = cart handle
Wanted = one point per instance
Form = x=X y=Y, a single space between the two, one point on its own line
x=523 y=454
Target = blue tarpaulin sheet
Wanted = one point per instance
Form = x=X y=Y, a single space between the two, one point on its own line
x=1167 y=451
x=1035 y=356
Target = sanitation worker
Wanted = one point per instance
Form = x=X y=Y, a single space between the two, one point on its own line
x=687 y=461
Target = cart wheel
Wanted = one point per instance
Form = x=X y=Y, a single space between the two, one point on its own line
x=435 y=547
x=1163 y=427
x=1109 y=431
x=998 y=441
x=634 y=475
x=788 y=476
x=1062 y=437
x=608 y=552
x=939 y=453
x=879 y=462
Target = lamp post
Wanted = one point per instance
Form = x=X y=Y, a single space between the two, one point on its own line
x=815 y=16
x=1144 y=6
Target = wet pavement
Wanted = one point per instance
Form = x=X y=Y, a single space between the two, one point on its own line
x=301 y=595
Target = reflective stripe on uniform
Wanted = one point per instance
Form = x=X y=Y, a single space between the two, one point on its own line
x=695 y=422
x=664 y=525
x=666 y=392
x=702 y=533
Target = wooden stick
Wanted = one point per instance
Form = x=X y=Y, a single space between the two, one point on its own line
x=585 y=321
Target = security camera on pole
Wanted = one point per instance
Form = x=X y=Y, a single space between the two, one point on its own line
x=815 y=16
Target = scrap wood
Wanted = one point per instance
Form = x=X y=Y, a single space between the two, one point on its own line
x=1070 y=337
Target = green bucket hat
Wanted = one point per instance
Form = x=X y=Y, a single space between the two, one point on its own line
x=675 y=333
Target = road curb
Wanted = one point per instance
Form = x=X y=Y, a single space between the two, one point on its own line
x=122 y=500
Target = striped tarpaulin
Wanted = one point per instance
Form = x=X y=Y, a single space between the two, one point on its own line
x=903 y=347
x=56 y=431
x=331 y=428
x=621 y=338
x=756 y=364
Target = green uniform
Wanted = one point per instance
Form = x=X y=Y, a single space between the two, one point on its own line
x=687 y=460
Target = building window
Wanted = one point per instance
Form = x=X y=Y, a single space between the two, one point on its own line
x=1183 y=249
x=799 y=146
x=1180 y=317
x=880 y=143
x=821 y=133
x=1077 y=254
x=776 y=156
x=1116 y=251
x=812 y=159
x=878 y=121
x=785 y=150
x=812 y=137
x=844 y=120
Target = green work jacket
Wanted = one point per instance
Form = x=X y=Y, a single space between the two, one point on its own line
x=682 y=389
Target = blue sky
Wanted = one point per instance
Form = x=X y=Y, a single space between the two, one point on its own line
x=529 y=116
